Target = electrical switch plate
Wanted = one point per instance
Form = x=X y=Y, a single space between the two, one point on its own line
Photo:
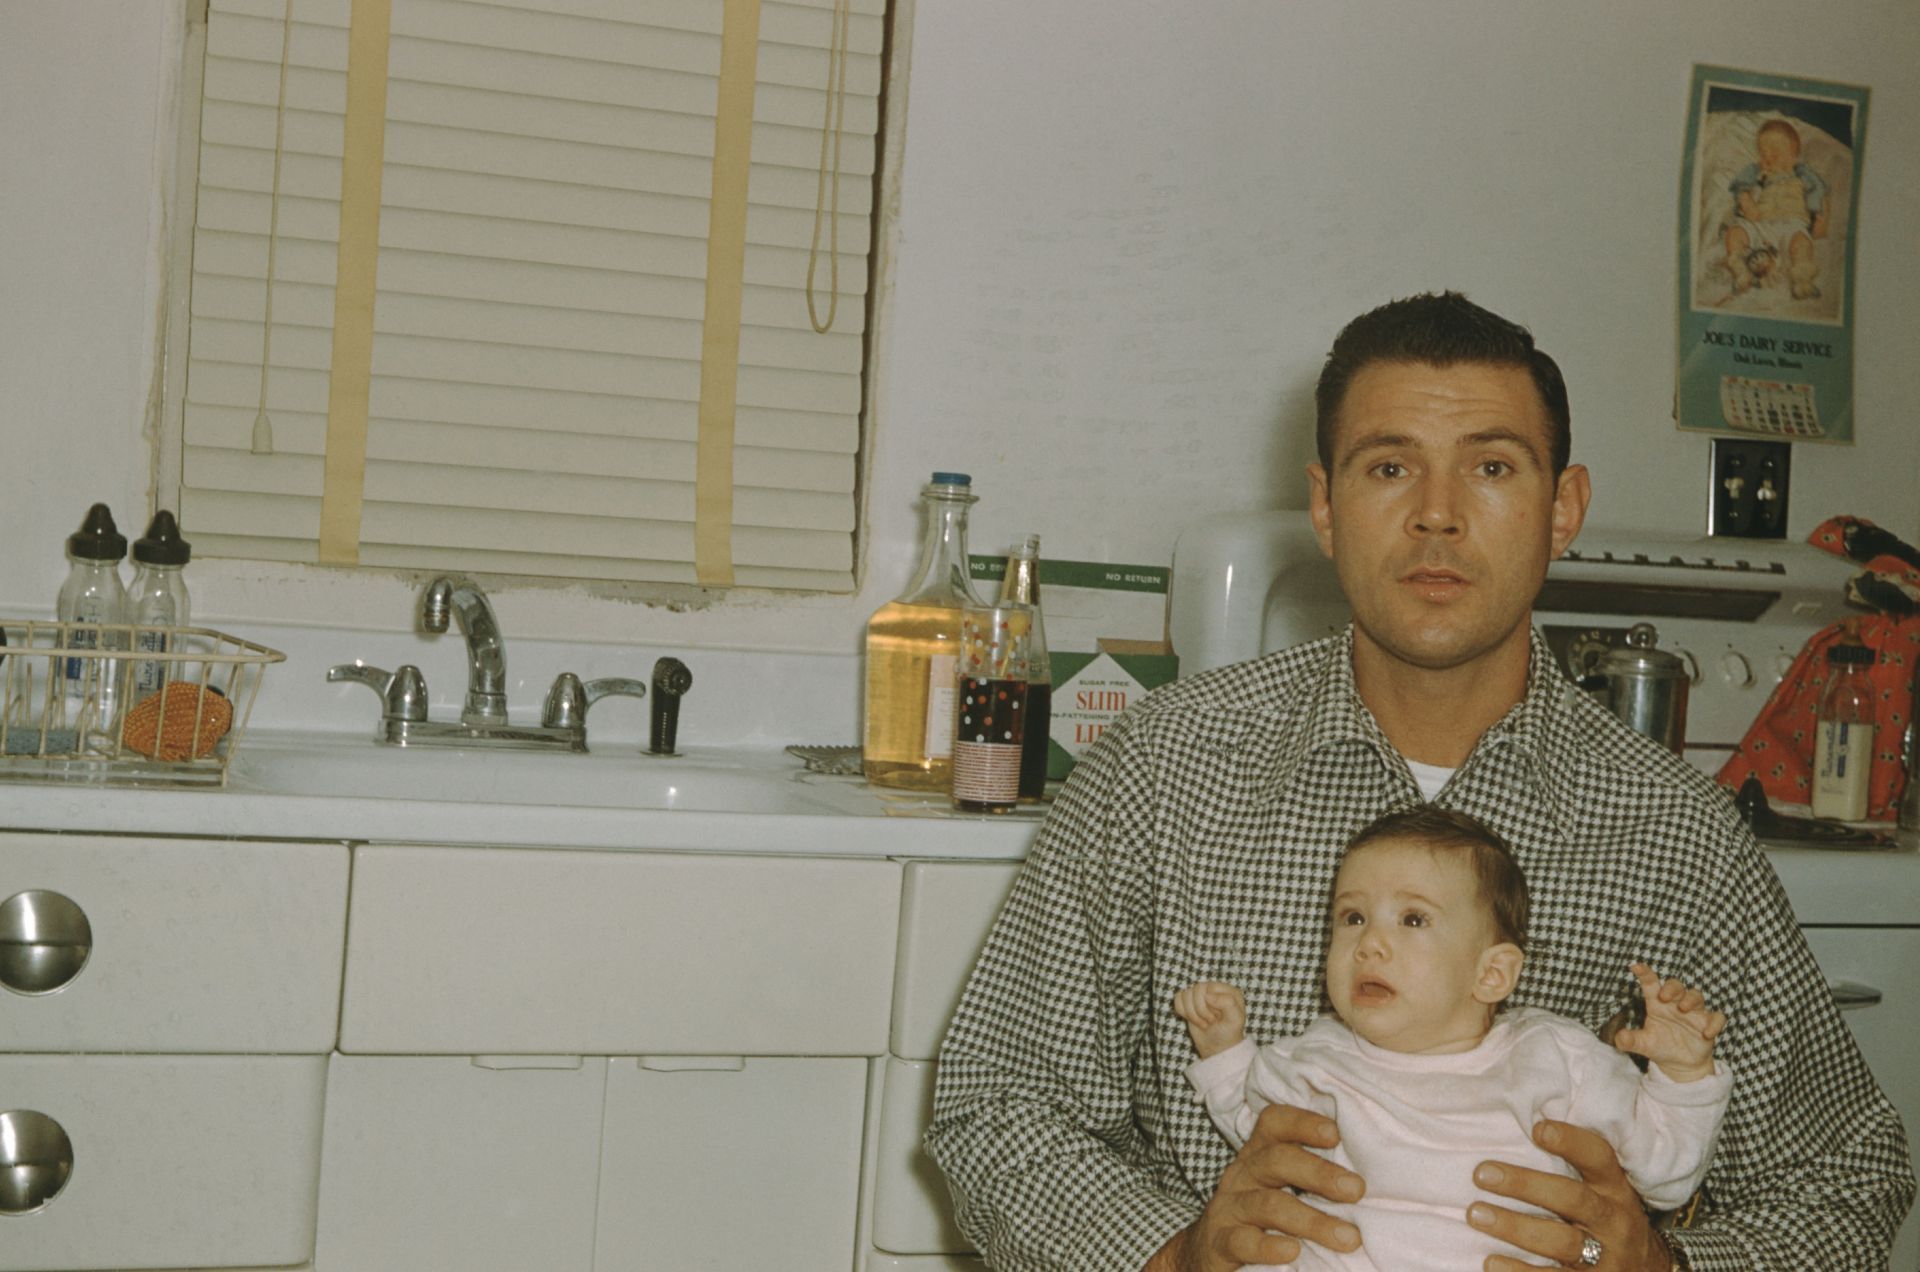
x=1748 y=499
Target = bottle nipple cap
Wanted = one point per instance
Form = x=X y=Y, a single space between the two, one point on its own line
x=98 y=539
x=162 y=544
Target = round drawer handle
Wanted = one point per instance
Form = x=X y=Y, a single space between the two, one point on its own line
x=35 y=1159
x=44 y=941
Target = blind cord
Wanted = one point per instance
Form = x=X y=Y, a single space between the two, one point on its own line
x=262 y=425
x=830 y=127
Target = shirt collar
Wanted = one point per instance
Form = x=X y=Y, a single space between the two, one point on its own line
x=1336 y=717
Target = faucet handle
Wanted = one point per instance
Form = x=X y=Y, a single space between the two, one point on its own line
x=611 y=685
x=403 y=693
x=568 y=700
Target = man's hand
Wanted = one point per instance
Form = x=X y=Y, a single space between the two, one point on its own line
x=1216 y=1015
x=1252 y=1217
x=1600 y=1204
x=1679 y=1032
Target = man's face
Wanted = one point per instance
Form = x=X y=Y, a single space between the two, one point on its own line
x=1440 y=511
x=1410 y=943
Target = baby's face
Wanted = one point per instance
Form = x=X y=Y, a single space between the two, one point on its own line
x=1777 y=152
x=1410 y=936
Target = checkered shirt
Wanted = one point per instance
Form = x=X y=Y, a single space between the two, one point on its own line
x=1197 y=840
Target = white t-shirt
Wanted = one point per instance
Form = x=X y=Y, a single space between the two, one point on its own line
x=1429 y=778
x=1415 y=1126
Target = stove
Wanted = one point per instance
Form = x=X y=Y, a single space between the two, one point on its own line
x=1736 y=612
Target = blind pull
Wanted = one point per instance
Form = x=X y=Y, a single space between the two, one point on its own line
x=262 y=424
x=830 y=126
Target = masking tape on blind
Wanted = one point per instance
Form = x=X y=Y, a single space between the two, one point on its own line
x=351 y=377
x=726 y=257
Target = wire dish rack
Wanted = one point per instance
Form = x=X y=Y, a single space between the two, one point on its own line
x=124 y=704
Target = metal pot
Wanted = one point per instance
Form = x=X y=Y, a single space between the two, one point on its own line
x=1647 y=687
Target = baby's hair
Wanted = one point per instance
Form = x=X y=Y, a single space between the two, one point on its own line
x=1780 y=128
x=1503 y=888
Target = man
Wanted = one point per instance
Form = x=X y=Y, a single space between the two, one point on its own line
x=1197 y=841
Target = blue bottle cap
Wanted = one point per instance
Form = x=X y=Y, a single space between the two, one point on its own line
x=952 y=479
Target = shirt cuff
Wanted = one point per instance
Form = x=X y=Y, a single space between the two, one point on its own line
x=1207 y=1074
x=1128 y=1231
x=1712 y=1089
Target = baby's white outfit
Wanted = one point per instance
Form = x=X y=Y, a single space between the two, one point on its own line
x=1415 y=1126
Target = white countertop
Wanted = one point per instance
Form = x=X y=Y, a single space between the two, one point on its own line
x=285 y=786
x=303 y=786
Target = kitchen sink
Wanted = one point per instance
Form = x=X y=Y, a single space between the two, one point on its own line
x=711 y=781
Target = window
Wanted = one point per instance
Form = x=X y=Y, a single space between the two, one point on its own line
x=524 y=287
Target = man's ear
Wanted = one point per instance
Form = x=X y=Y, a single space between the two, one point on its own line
x=1499 y=971
x=1320 y=507
x=1571 y=495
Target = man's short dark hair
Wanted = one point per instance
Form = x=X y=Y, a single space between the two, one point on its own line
x=1502 y=887
x=1439 y=330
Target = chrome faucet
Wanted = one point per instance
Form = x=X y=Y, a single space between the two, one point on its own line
x=486 y=654
x=483 y=721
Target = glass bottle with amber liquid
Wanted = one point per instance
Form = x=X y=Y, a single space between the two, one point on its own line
x=912 y=652
x=1022 y=586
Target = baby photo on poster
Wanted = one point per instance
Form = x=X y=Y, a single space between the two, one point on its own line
x=1767 y=238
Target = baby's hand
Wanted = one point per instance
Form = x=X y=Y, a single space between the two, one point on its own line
x=1679 y=1032
x=1216 y=1015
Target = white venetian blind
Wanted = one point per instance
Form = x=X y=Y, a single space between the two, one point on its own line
x=534 y=403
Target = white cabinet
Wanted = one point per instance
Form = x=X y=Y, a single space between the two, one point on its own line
x=444 y=1164
x=173 y=1020
x=565 y=1060
x=947 y=908
x=177 y=1161
x=567 y=1164
x=720 y=1165
x=912 y=1209
x=1883 y=962
x=197 y=945
x=498 y=950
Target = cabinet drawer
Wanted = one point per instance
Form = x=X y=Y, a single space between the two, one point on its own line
x=196 y=946
x=945 y=911
x=1875 y=972
x=685 y=1149
x=512 y=951
x=912 y=1209
x=177 y=1161
x=441 y=1164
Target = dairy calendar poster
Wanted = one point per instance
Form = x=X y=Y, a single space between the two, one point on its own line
x=1770 y=191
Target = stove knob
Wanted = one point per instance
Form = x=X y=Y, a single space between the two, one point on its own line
x=1735 y=669
x=1691 y=663
x=1782 y=664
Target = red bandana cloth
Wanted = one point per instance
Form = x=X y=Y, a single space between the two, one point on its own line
x=1778 y=747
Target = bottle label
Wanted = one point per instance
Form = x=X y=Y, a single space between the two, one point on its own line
x=1842 y=769
x=149 y=676
x=987 y=745
x=76 y=668
x=941 y=671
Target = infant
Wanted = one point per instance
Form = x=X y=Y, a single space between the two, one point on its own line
x=1424 y=1073
x=1779 y=209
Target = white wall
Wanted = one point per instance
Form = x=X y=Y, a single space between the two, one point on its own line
x=1128 y=230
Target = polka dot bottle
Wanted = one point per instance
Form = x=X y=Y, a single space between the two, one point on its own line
x=989 y=715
